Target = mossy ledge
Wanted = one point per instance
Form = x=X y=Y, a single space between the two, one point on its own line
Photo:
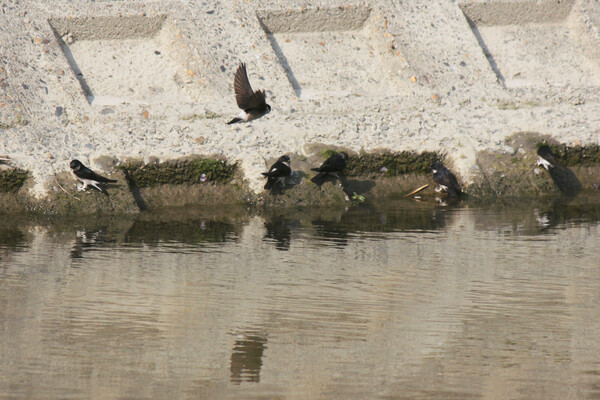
x=12 y=179
x=178 y=172
x=389 y=163
x=575 y=156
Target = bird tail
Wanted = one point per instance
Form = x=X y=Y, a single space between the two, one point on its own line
x=233 y=121
x=269 y=184
x=318 y=179
x=111 y=181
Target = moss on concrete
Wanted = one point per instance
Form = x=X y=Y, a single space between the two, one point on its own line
x=388 y=163
x=575 y=156
x=516 y=174
x=12 y=179
x=179 y=172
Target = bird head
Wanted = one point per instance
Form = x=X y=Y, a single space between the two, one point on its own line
x=268 y=107
x=285 y=159
x=75 y=165
x=344 y=155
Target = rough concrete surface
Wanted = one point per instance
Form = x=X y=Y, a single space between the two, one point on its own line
x=149 y=79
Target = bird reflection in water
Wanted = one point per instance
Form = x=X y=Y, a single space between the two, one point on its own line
x=246 y=357
x=279 y=231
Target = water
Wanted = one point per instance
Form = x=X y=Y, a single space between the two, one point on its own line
x=403 y=301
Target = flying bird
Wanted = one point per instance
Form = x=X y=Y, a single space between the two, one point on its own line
x=89 y=177
x=563 y=177
x=252 y=103
x=446 y=179
x=334 y=164
x=278 y=172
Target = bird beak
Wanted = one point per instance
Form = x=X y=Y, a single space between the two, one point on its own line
x=544 y=163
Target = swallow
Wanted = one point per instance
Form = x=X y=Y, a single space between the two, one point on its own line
x=89 y=177
x=334 y=164
x=252 y=103
x=563 y=177
x=278 y=172
x=446 y=179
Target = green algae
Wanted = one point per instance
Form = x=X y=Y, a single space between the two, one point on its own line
x=178 y=172
x=12 y=179
x=389 y=164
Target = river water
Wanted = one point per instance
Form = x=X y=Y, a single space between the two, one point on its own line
x=398 y=301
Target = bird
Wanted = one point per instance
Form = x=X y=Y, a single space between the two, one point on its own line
x=278 y=172
x=251 y=102
x=563 y=177
x=334 y=164
x=89 y=177
x=446 y=179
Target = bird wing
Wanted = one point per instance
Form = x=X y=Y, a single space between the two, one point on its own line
x=256 y=102
x=242 y=88
x=278 y=169
x=86 y=173
x=333 y=164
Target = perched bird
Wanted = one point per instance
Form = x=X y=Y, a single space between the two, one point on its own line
x=252 y=103
x=334 y=164
x=278 y=172
x=89 y=177
x=446 y=179
x=563 y=177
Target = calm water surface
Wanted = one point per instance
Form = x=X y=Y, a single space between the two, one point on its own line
x=403 y=301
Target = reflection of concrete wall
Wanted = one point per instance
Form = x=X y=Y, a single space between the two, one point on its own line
x=482 y=307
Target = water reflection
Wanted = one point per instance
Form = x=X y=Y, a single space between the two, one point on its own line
x=87 y=240
x=246 y=357
x=400 y=300
x=279 y=230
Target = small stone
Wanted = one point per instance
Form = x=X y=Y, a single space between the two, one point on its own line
x=435 y=98
x=383 y=169
x=413 y=78
x=203 y=178
x=49 y=156
x=200 y=140
x=145 y=114
x=58 y=112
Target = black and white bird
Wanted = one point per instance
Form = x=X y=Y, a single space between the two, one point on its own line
x=446 y=179
x=278 y=172
x=563 y=177
x=89 y=177
x=253 y=104
x=333 y=165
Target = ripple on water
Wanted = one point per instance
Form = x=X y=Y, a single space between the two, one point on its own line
x=391 y=302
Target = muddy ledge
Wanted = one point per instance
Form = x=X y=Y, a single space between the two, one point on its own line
x=370 y=177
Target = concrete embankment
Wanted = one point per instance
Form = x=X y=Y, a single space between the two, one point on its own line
x=141 y=91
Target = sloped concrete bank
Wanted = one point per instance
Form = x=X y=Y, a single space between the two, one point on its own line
x=369 y=177
x=152 y=81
